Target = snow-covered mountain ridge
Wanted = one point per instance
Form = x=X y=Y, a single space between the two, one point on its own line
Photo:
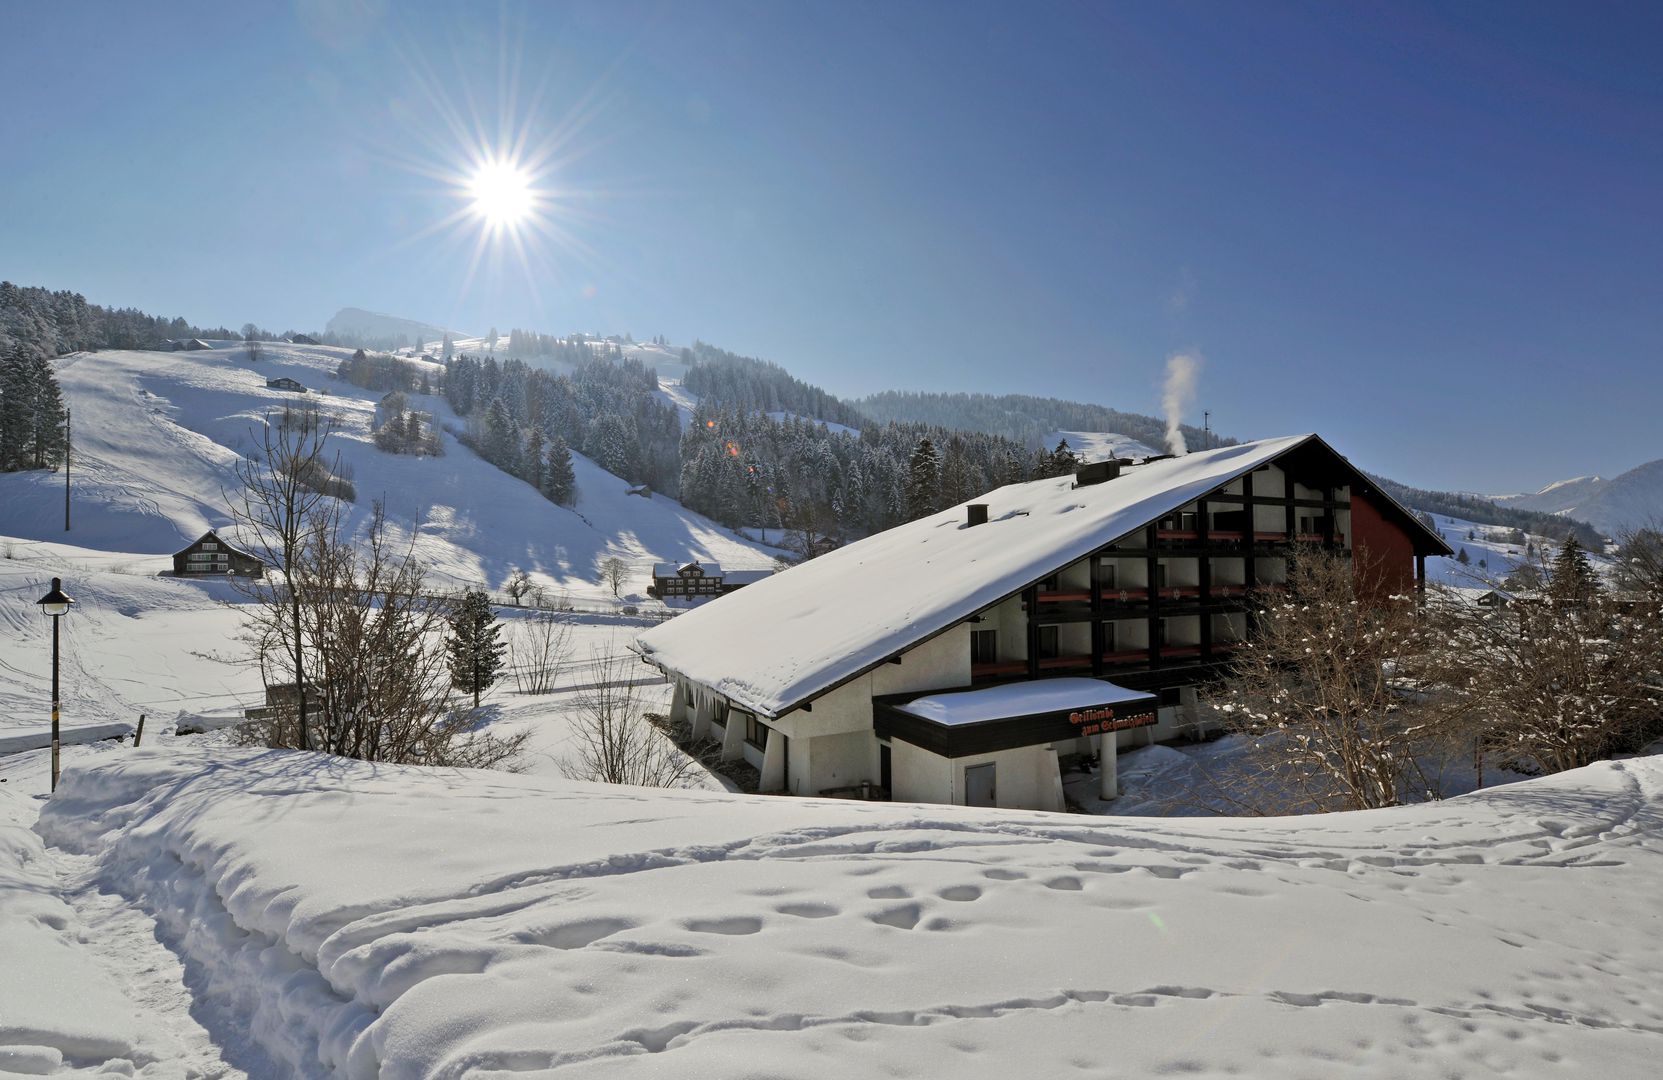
x=1627 y=501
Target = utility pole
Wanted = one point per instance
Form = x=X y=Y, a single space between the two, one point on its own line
x=67 y=445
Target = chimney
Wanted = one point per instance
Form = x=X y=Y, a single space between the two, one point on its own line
x=1096 y=472
x=975 y=514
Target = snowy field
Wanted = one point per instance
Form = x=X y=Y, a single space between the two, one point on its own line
x=318 y=918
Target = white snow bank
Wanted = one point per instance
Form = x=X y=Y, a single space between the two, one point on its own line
x=365 y=921
x=56 y=1002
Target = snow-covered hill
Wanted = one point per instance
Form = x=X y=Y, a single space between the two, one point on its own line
x=1631 y=500
x=1100 y=445
x=1559 y=497
x=157 y=440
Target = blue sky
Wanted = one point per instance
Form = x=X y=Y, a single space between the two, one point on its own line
x=1433 y=232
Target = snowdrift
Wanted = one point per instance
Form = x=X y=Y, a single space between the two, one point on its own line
x=364 y=921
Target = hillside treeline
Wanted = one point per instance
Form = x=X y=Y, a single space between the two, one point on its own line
x=54 y=323
x=608 y=409
x=742 y=467
x=1022 y=418
x=1483 y=511
x=743 y=382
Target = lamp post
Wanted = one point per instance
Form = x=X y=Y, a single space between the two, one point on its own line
x=55 y=604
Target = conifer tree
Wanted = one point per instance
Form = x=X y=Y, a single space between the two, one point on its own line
x=559 y=480
x=1572 y=576
x=475 y=651
x=923 y=480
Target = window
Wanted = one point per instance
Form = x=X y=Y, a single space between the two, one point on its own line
x=1160 y=632
x=209 y=545
x=1108 y=637
x=1049 y=584
x=1160 y=575
x=984 y=646
x=756 y=732
x=1047 y=642
x=1106 y=575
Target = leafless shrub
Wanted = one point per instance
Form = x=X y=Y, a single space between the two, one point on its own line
x=615 y=742
x=537 y=650
x=1331 y=699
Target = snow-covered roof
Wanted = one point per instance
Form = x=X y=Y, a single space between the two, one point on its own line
x=1018 y=699
x=745 y=577
x=780 y=642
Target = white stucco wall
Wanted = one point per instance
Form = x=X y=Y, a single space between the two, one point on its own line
x=1026 y=778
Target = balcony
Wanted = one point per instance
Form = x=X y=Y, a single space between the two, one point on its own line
x=1082 y=661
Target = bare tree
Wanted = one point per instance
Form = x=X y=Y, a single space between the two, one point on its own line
x=276 y=509
x=614 y=572
x=537 y=650
x=1640 y=561
x=1557 y=682
x=518 y=586
x=1330 y=696
x=615 y=742
x=251 y=342
x=375 y=636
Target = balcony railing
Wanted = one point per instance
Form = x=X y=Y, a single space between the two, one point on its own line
x=1082 y=661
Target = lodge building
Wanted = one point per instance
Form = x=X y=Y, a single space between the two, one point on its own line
x=957 y=658
x=698 y=581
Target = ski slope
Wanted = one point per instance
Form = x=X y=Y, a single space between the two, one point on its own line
x=1101 y=445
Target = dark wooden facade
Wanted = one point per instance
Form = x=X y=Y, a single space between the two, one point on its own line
x=696 y=581
x=1232 y=564
x=210 y=556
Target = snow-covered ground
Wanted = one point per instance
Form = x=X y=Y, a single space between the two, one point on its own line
x=1491 y=554
x=329 y=918
x=1101 y=445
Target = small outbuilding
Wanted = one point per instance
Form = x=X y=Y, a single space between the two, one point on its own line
x=211 y=556
x=286 y=383
x=305 y=339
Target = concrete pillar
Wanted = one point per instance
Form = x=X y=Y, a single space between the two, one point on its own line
x=733 y=736
x=773 y=763
x=703 y=709
x=1059 y=803
x=1108 y=768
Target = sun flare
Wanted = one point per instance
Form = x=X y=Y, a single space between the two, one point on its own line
x=502 y=193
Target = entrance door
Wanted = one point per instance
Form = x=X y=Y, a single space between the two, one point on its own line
x=979 y=786
x=886 y=773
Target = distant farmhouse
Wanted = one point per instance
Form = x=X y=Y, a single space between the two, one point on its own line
x=305 y=339
x=960 y=657
x=209 y=555
x=286 y=383
x=696 y=581
x=184 y=345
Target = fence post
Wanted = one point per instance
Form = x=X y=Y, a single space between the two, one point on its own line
x=139 y=734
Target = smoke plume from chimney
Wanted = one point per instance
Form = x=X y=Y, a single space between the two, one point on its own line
x=1183 y=371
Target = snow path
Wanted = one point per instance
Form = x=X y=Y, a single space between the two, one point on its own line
x=124 y=940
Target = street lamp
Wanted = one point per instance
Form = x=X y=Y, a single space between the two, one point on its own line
x=55 y=604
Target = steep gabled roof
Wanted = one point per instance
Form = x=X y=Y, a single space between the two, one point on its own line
x=784 y=640
x=222 y=542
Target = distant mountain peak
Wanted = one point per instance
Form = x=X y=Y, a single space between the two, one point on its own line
x=359 y=322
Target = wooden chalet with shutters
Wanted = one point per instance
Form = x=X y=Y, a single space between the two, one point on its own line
x=959 y=657
x=209 y=555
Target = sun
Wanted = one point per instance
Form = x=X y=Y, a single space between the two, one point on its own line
x=503 y=193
